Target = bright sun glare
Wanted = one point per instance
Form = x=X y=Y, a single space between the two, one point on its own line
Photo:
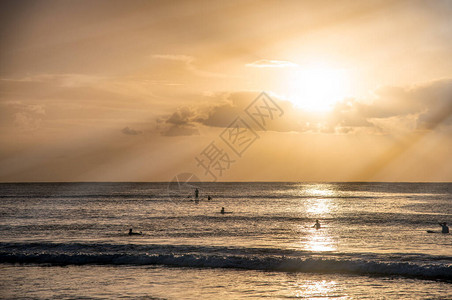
x=317 y=89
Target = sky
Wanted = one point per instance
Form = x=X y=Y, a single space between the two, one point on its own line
x=225 y=90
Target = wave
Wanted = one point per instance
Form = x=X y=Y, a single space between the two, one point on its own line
x=310 y=265
x=414 y=265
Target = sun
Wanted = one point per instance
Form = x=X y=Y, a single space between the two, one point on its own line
x=317 y=89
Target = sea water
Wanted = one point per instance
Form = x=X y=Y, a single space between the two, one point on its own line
x=69 y=240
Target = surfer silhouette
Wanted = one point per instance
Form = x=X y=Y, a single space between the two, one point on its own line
x=222 y=210
x=134 y=233
x=196 y=193
x=444 y=227
x=316 y=225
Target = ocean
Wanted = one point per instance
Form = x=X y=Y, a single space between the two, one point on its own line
x=70 y=240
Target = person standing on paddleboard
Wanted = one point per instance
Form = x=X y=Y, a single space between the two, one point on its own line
x=445 y=228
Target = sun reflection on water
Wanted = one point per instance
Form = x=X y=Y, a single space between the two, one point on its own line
x=319 y=206
x=319 y=203
x=319 y=242
x=318 y=289
x=319 y=190
x=318 y=199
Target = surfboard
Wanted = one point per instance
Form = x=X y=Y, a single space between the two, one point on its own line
x=135 y=233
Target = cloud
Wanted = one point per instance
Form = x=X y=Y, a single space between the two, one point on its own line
x=270 y=63
x=223 y=114
x=426 y=106
x=392 y=110
x=57 y=102
x=181 y=123
x=225 y=107
x=130 y=131
x=180 y=130
x=181 y=117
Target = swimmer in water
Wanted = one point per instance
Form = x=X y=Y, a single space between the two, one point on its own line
x=316 y=225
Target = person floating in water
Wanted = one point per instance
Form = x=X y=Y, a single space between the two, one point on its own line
x=222 y=210
x=134 y=233
x=316 y=225
x=196 y=193
x=209 y=198
x=445 y=228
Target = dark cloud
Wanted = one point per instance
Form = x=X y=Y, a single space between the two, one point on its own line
x=130 y=131
x=180 y=130
x=235 y=104
x=182 y=117
x=440 y=116
x=180 y=123
x=226 y=107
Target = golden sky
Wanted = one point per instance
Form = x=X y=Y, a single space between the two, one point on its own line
x=145 y=90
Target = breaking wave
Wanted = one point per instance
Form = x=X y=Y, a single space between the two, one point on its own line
x=416 y=265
